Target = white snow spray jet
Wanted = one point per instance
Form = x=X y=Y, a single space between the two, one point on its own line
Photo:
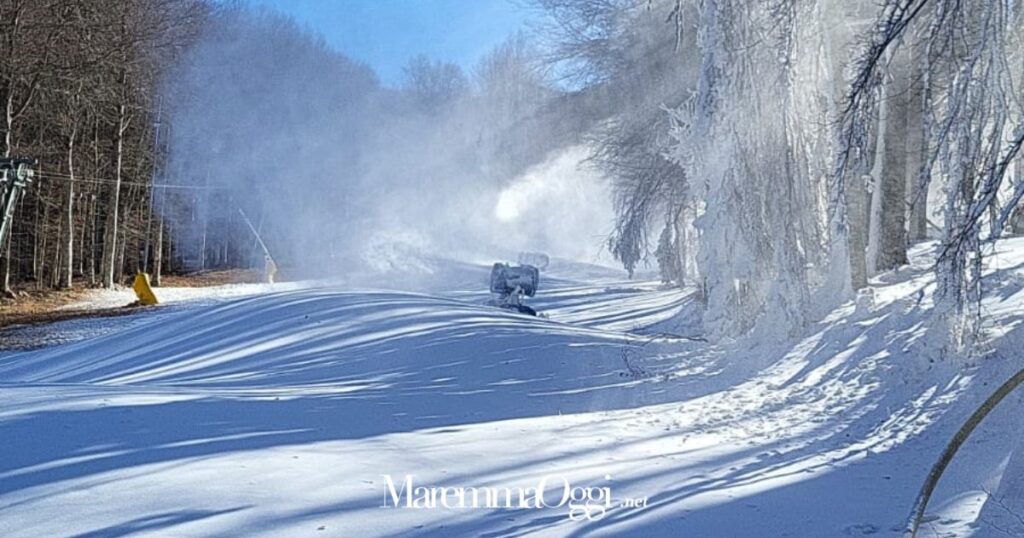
x=559 y=206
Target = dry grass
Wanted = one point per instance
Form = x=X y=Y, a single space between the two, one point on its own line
x=35 y=307
x=213 y=278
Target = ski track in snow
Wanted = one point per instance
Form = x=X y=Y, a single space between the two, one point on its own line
x=277 y=410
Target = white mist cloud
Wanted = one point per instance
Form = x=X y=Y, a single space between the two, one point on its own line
x=343 y=175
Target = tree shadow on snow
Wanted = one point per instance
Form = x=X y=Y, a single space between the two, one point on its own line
x=315 y=366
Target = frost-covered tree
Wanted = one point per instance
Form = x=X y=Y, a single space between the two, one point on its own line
x=632 y=68
x=973 y=126
x=751 y=139
x=802 y=140
x=671 y=251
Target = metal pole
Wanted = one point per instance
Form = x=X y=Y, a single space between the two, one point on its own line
x=266 y=251
x=16 y=174
x=152 y=190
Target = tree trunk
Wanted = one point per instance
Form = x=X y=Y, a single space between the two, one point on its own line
x=92 y=241
x=202 y=246
x=58 y=254
x=887 y=234
x=7 y=267
x=81 y=233
x=892 y=251
x=9 y=119
x=1017 y=215
x=877 y=171
x=110 y=231
x=857 y=217
x=40 y=251
x=122 y=243
x=158 y=252
x=917 y=153
x=93 y=209
x=8 y=147
x=69 y=223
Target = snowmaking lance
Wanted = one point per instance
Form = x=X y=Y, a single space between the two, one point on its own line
x=512 y=283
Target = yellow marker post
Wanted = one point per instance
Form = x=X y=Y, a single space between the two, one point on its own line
x=143 y=290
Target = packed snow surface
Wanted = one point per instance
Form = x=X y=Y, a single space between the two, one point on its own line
x=285 y=411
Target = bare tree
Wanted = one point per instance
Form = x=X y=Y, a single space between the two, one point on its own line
x=434 y=85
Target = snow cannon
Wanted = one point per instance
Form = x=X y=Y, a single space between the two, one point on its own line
x=512 y=283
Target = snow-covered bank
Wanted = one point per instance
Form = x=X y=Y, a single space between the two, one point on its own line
x=281 y=414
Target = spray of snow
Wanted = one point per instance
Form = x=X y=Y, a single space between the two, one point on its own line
x=342 y=175
x=558 y=206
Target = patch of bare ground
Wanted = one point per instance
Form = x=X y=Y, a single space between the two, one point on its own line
x=212 y=278
x=33 y=307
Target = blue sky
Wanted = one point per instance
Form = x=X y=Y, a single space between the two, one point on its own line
x=386 y=33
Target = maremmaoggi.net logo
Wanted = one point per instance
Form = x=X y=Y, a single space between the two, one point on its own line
x=589 y=503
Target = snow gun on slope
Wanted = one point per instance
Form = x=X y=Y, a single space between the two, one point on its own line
x=512 y=284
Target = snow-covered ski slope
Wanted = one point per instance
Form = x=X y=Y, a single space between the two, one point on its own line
x=281 y=413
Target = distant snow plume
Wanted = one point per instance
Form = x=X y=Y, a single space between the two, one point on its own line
x=341 y=174
x=559 y=206
x=267 y=119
